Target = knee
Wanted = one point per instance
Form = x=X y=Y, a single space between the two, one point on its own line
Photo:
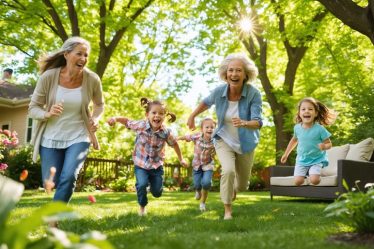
x=156 y=193
x=142 y=185
x=228 y=173
x=315 y=180
x=299 y=181
x=206 y=185
x=67 y=179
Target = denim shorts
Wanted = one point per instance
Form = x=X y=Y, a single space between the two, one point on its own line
x=308 y=170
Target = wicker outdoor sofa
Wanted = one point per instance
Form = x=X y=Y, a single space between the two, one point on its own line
x=353 y=164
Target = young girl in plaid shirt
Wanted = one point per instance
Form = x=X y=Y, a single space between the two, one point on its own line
x=202 y=163
x=149 y=152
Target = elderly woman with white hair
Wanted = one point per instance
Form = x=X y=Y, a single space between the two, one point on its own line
x=66 y=126
x=238 y=107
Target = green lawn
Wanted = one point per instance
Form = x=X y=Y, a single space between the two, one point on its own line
x=174 y=221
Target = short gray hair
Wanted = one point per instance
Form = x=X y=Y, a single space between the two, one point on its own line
x=250 y=68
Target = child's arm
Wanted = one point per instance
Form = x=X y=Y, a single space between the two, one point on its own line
x=291 y=145
x=325 y=145
x=181 y=138
x=112 y=121
x=179 y=154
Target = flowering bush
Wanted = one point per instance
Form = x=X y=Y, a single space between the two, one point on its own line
x=8 y=140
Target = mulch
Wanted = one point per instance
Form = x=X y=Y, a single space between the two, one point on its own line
x=366 y=239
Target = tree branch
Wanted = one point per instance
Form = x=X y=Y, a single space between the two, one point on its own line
x=73 y=18
x=107 y=51
x=60 y=30
x=356 y=17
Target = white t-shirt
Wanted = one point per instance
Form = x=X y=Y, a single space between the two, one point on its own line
x=229 y=133
x=68 y=128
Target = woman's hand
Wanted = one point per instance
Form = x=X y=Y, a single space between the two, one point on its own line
x=184 y=163
x=237 y=122
x=55 y=110
x=191 y=122
x=93 y=125
x=111 y=121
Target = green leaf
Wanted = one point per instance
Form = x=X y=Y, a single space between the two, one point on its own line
x=16 y=235
x=10 y=193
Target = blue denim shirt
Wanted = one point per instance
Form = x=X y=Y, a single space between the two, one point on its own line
x=250 y=108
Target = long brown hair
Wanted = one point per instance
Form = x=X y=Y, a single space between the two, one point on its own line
x=57 y=59
x=147 y=104
x=325 y=116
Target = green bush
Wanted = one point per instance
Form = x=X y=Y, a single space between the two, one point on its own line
x=123 y=182
x=21 y=159
x=256 y=183
x=356 y=207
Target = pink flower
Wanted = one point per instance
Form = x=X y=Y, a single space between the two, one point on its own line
x=7 y=133
x=14 y=134
x=3 y=166
x=6 y=141
x=14 y=141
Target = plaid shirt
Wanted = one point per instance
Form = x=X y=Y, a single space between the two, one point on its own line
x=203 y=152
x=149 y=152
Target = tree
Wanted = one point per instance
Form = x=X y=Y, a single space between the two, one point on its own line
x=69 y=18
x=356 y=17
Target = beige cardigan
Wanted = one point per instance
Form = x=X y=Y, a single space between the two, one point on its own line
x=44 y=97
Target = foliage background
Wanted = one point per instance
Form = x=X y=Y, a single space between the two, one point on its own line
x=171 y=46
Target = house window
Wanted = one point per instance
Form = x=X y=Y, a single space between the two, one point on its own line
x=5 y=126
x=29 y=130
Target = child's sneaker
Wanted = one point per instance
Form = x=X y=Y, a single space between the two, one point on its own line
x=202 y=207
x=197 y=195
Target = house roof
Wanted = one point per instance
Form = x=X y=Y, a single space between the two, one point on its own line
x=14 y=95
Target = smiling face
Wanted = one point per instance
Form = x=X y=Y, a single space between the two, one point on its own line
x=77 y=58
x=235 y=74
x=207 y=128
x=156 y=116
x=307 y=113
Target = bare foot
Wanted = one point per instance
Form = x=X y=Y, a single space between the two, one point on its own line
x=142 y=211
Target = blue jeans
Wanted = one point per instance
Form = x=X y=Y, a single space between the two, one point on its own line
x=154 y=177
x=68 y=162
x=202 y=179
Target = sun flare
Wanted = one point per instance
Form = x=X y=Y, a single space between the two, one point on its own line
x=246 y=25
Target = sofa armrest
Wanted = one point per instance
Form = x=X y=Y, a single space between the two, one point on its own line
x=352 y=171
x=281 y=170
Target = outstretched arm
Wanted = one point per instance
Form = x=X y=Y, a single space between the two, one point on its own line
x=179 y=154
x=181 y=138
x=191 y=119
x=291 y=145
x=113 y=120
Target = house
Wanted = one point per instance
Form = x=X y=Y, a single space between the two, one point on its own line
x=14 y=101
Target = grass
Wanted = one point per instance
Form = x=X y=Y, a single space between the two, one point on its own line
x=175 y=221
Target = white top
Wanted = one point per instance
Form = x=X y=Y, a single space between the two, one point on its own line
x=69 y=127
x=229 y=133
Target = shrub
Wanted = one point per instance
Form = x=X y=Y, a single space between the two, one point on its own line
x=122 y=183
x=356 y=207
x=21 y=159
